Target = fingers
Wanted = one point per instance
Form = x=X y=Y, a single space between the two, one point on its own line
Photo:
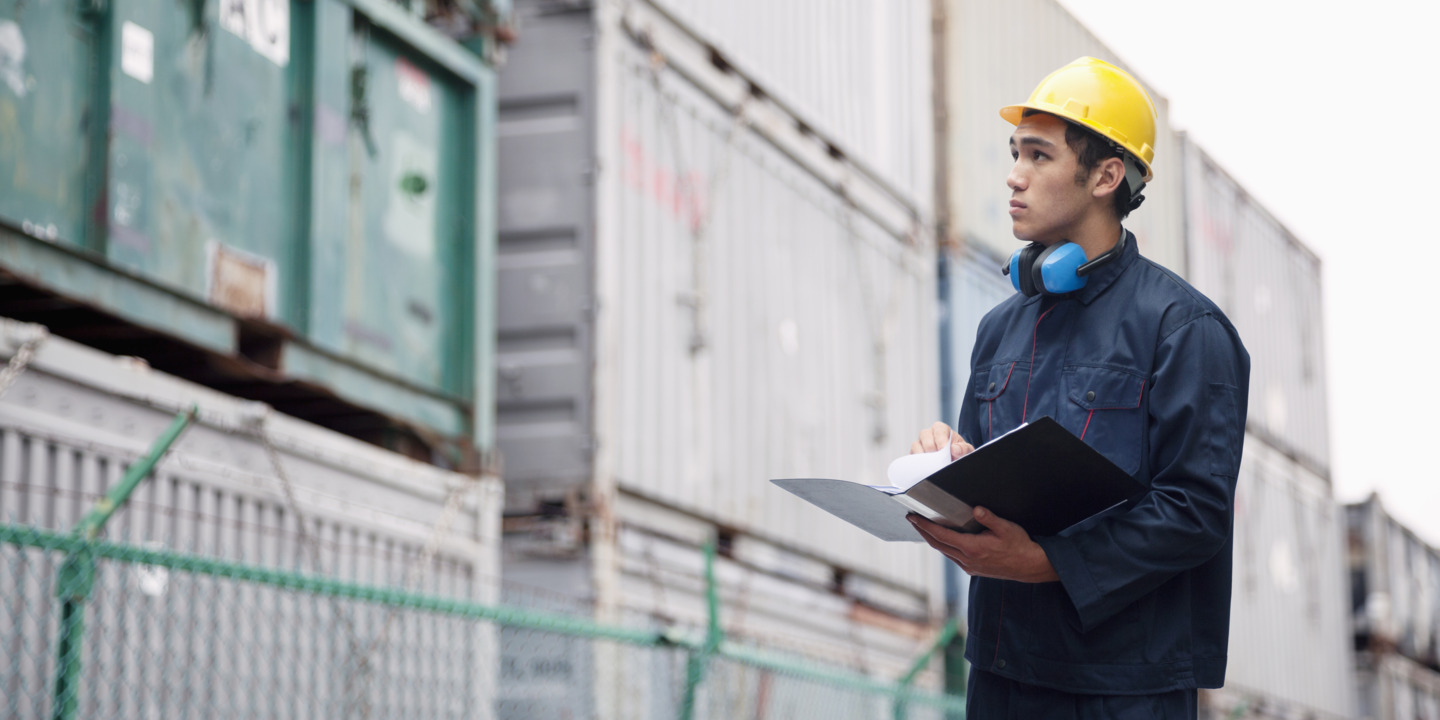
x=959 y=448
x=935 y=437
x=1003 y=529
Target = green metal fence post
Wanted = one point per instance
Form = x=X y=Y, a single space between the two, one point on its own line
x=77 y=574
x=946 y=635
x=695 y=666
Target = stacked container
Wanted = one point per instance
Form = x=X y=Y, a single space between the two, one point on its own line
x=242 y=484
x=709 y=280
x=290 y=200
x=1288 y=645
x=1395 y=579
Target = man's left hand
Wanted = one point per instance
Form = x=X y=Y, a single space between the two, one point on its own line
x=1003 y=550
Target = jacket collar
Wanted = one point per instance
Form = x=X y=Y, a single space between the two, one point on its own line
x=1104 y=276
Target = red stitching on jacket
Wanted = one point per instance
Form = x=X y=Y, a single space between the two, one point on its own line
x=1087 y=424
x=990 y=404
x=1034 y=340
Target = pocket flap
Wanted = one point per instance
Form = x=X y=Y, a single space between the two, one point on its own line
x=1097 y=388
x=991 y=384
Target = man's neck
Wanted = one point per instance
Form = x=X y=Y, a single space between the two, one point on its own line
x=1097 y=236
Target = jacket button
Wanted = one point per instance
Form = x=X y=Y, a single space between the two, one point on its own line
x=992 y=387
x=1090 y=396
x=1000 y=663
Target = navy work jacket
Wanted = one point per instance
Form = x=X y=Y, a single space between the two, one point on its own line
x=1149 y=372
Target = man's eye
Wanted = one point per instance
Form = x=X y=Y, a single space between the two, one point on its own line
x=1039 y=155
x=1014 y=155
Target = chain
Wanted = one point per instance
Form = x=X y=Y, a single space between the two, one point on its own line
x=21 y=359
x=362 y=653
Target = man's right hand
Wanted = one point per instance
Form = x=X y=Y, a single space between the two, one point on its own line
x=938 y=436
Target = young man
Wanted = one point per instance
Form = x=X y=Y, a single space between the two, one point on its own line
x=1126 y=614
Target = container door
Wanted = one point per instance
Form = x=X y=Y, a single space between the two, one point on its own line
x=390 y=241
x=47 y=52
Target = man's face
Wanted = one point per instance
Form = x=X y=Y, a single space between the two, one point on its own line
x=1046 y=204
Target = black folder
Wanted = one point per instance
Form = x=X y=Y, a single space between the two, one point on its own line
x=1039 y=476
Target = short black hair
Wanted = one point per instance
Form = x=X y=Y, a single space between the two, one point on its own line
x=1091 y=149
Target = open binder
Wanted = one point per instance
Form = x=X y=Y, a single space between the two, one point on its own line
x=1039 y=476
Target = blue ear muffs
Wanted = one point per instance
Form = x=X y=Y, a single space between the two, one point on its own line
x=1056 y=270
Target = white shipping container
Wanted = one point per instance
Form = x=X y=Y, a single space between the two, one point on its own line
x=1268 y=283
x=858 y=72
x=72 y=422
x=739 y=308
x=790 y=337
x=1290 y=632
x=995 y=53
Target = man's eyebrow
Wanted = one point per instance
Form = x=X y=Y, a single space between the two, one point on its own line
x=1033 y=140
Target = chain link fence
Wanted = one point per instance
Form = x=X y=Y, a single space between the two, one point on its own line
x=95 y=629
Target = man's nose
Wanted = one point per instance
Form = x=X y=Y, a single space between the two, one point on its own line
x=1015 y=180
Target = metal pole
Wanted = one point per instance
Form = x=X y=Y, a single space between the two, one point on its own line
x=695 y=666
x=946 y=635
x=77 y=574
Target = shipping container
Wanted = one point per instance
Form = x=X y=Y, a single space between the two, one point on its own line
x=994 y=54
x=723 y=317
x=1290 y=639
x=768 y=598
x=1268 y=283
x=697 y=296
x=1397 y=688
x=856 y=71
x=1395 y=578
x=242 y=484
x=75 y=417
x=292 y=201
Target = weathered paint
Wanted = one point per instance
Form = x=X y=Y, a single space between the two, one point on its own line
x=325 y=167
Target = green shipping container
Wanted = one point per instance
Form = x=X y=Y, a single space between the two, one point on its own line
x=305 y=186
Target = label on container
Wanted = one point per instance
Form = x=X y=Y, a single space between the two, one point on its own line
x=414 y=85
x=137 y=52
x=264 y=24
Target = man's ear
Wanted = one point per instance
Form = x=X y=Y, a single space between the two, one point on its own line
x=1107 y=176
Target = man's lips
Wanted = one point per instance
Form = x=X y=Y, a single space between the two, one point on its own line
x=1016 y=206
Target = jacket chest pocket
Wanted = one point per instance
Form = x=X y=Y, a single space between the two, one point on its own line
x=1104 y=407
x=998 y=414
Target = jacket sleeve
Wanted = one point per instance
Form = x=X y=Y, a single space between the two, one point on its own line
x=1196 y=426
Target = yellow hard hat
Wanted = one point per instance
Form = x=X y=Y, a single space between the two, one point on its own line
x=1099 y=96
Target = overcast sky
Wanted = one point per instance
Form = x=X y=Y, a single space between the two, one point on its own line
x=1326 y=117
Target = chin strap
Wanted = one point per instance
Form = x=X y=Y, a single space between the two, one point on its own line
x=1135 y=179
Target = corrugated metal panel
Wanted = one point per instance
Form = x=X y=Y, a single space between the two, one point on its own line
x=1268 y=284
x=1290 y=640
x=76 y=417
x=545 y=347
x=995 y=54
x=766 y=329
x=856 y=71
x=336 y=192
x=760 y=326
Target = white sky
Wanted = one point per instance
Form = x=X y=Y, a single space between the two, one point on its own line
x=1325 y=112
